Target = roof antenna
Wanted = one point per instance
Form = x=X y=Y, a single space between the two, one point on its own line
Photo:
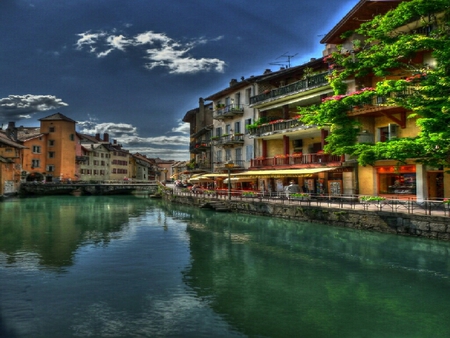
x=286 y=63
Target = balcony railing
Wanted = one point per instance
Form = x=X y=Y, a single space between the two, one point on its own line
x=230 y=139
x=302 y=85
x=276 y=126
x=228 y=111
x=199 y=146
x=292 y=160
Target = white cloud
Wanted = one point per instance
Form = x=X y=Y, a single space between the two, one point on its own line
x=16 y=107
x=159 y=49
x=164 y=146
x=182 y=127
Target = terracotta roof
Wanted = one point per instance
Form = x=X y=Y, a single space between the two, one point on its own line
x=364 y=11
x=5 y=140
x=57 y=117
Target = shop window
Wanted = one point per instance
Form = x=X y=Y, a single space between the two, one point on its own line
x=398 y=184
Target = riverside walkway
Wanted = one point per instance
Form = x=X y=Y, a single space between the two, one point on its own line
x=346 y=202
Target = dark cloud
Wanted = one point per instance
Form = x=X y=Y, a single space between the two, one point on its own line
x=17 y=107
x=141 y=65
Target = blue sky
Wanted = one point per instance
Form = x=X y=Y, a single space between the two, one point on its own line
x=134 y=68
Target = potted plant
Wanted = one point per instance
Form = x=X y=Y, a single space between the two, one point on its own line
x=371 y=199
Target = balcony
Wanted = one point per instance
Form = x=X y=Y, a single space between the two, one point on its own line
x=278 y=126
x=229 y=140
x=228 y=111
x=199 y=146
x=297 y=161
x=293 y=88
x=81 y=159
x=238 y=165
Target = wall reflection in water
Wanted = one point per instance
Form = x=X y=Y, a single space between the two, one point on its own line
x=277 y=278
x=48 y=230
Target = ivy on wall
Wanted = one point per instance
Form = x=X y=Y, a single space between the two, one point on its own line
x=422 y=89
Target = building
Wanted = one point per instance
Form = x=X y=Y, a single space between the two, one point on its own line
x=384 y=118
x=10 y=164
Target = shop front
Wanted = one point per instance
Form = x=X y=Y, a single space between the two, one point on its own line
x=397 y=181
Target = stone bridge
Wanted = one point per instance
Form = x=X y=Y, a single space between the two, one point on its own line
x=33 y=188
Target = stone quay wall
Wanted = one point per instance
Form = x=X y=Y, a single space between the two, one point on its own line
x=433 y=227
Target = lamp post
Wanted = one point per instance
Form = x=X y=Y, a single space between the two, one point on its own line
x=165 y=176
x=229 y=165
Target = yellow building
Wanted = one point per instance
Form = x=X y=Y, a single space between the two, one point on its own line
x=10 y=165
x=50 y=149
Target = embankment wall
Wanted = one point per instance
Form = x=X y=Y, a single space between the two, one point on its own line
x=433 y=227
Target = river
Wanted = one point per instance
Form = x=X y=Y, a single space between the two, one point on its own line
x=124 y=266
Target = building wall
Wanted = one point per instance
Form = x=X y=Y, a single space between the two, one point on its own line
x=64 y=147
x=29 y=155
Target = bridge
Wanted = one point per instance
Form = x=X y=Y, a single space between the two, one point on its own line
x=85 y=188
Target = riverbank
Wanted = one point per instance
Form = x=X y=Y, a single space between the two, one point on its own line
x=350 y=215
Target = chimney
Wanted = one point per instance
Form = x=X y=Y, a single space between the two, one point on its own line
x=11 y=131
x=267 y=71
x=233 y=82
x=106 y=137
x=115 y=141
x=97 y=137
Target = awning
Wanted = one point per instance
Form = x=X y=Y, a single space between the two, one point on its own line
x=200 y=179
x=240 y=179
x=215 y=175
x=282 y=173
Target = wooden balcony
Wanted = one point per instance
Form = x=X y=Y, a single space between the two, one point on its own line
x=228 y=111
x=297 y=161
x=293 y=88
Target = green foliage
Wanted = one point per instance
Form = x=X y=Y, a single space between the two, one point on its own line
x=372 y=198
x=424 y=90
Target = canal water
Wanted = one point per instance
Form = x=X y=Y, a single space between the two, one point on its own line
x=125 y=266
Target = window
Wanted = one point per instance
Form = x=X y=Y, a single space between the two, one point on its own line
x=219 y=132
x=247 y=122
x=36 y=149
x=219 y=156
x=228 y=129
x=248 y=95
x=248 y=152
x=51 y=154
x=35 y=163
x=237 y=126
x=72 y=137
x=50 y=168
x=51 y=129
x=51 y=143
x=387 y=133
x=227 y=155
x=237 y=99
x=238 y=154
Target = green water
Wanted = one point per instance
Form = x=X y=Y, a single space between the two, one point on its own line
x=124 y=266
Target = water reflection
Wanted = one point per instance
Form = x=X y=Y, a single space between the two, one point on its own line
x=278 y=278
x=48 y=231
x=136 y=267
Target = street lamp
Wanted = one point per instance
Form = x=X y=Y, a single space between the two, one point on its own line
x=165 y=176
x=229 y=165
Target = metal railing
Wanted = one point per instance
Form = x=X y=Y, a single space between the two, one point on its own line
x=314 y=158
x=345 y=202
x=302 y=85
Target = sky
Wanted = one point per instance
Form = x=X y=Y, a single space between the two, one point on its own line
x=133 y=68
